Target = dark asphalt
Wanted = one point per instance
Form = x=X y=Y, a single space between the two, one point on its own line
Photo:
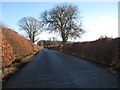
x=52 y=69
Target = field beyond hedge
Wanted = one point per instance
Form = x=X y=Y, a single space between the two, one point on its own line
x=103 y=51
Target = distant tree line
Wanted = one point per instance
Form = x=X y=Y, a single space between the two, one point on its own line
x=49 y=42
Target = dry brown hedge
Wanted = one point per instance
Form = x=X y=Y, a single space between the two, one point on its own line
x=15 y=47
x=103 y=51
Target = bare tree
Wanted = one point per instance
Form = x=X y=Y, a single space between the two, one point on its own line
x=63 y=19
x=32 y=27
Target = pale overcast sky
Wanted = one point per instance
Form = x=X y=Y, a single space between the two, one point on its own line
x=99 y=18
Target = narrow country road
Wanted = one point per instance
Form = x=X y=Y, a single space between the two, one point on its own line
x=52 y=69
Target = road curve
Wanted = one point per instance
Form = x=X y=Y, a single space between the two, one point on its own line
x=52 y=69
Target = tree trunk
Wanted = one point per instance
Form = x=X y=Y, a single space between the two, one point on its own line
x=33 y=39
x=64 y=40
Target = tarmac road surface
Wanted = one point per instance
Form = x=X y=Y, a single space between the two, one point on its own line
x=52 y=69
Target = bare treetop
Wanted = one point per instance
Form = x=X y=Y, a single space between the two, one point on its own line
x=32 y=27
x=63 y=19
